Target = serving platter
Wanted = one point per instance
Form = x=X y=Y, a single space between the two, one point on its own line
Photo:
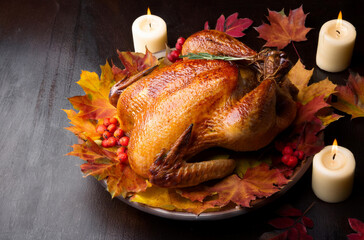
x=299 y=171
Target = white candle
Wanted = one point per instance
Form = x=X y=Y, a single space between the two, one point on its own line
x=333 y=174
x=149 y=31
x=335 y=45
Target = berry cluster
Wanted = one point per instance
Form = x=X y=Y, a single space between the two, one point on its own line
x=114 y=136
x=291 y=155
x=173 y=56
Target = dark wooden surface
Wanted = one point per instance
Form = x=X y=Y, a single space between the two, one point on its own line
x=44 y=45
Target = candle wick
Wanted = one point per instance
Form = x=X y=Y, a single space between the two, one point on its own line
x=338 y=33
x=150 y=25
x=333 y=157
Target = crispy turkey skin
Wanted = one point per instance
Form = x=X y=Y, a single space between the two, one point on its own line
x=177 y=111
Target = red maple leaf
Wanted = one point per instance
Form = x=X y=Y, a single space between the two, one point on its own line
x=232 y=26
x=282 y=29
x=358 y=227
x=292 y=224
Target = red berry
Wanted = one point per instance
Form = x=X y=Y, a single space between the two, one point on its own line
x=285 y=158
x=101 y=129
x=105 y=143
x=124 y=141
x=292 y=162
x=287 y=150
x=180 y=41
x=123 y=157
x=120 y=150
x=107 y=122
x=170 y=58
x=112 y=141
x=299 y=154
x=119 y=133
x=106 y=135
x=114 y=121
x=175 y=54
x=112 y=127
x=178 y=47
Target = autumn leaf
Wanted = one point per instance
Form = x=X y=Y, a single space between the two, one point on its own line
x=95 y=104
x=232 y=26
x=313 y=113
x=81 y=127
x=122 y=180
x=300 y=77
x=292 y=224
x=350 y=98
x=133 y=63
x=282 y=29
x=169 y=199
x=258 y=182
x=358 y=227
x=99 y=160
x=92 y=108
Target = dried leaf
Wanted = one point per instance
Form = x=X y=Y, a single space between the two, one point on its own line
x=232 y=26
x=299 y=76
x=358 y=227
x=258 y=182
x=250 y=160
x=313 y=113
x=282 y=29
x=133 y=63
x=170 y=200
x=81 y=126
x=95 y=104
x=350 y=98
x=323 y=88
x=92 y=108
x=282 y=222
x=327 y=116
x=307 y=112
x=122 y=180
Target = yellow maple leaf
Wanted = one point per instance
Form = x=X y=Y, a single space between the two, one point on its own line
x=300 y=77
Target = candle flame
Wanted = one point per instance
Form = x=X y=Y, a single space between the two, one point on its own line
x=339 y=23
x=334 y=147
x=148 y=12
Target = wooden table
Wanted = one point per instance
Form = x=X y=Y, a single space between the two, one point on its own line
x=44 y=45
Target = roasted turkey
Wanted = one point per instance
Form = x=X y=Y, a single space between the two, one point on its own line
x=175 y=112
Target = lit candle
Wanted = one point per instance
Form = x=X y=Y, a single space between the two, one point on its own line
x=149 y=31
x=333 y=173
x=335 y=45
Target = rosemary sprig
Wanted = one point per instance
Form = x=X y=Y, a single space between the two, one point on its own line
x=208 y=56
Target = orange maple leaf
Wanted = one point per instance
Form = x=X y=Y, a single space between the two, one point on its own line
x=350 y=98
x=122 y=180
x=133 y=63
x=282 y=29
x=258 y=182
x=81 y=126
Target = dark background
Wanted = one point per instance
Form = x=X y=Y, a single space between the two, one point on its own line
x=44 y=45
